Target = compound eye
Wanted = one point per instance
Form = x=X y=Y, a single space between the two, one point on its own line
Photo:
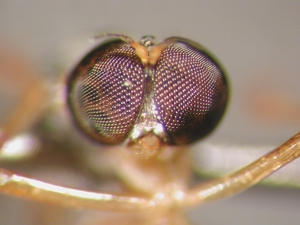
x=106 y=90
x=190 y=91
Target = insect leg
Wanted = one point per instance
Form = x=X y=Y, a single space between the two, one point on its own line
x=247 y=176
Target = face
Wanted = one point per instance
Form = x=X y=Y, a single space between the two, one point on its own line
x=174 y=91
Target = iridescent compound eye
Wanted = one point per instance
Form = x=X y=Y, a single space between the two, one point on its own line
x=124 y=90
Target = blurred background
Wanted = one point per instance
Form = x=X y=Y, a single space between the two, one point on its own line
x=257 y=42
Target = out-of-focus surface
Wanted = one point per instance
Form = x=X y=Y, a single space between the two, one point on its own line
x=257 y=42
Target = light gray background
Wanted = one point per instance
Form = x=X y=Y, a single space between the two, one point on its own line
x=257 y=42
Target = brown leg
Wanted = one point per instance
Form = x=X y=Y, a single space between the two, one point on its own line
x=246 y=177
x=26 y=111
x=17 y=76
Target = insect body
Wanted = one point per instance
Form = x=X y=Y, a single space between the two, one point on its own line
x=147 y=101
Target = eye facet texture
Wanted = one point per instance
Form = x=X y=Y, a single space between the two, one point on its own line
x=190 y=92
x=107 y=91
